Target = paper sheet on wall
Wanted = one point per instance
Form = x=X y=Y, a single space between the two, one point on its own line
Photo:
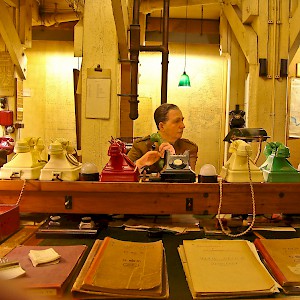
x=98 y=94
x=294 y=126
x=7 y=81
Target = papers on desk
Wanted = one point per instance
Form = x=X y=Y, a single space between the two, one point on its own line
x=224 y=269
x=282 y=258
x=123 y=269
x=10 y=270
x=176 y=228
x=274 y=228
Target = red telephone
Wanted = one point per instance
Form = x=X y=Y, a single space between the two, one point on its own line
x=120 y=167
x=7 y=144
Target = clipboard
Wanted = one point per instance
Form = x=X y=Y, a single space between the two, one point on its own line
x=98 y=92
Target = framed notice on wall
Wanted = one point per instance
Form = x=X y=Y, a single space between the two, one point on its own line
x=7 y=83
x=19 y=100
x=98 y=86
x=294 y=126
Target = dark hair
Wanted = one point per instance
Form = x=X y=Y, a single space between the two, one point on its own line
x=160 y=114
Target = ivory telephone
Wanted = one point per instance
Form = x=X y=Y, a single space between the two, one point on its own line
x=27 y=162
x=62 y=165
x=240 y=164
x=240 y=168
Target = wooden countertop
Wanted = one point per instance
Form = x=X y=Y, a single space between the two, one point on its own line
x=149 y=197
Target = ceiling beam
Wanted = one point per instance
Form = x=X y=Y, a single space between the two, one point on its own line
x=148 y=6
x=294 y=33
x=185 y=25
x=11 y=3
x=244 y=34
x=120 y=13
x=12 y=41
x=25 y=31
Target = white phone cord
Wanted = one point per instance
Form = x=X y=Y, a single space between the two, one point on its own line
x=253 y=205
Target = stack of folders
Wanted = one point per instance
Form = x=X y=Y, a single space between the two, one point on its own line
x=46 y=279
x=282 y=258
x=123 y=269
x=224 y=269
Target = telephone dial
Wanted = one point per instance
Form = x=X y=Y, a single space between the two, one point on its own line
x=177 y=168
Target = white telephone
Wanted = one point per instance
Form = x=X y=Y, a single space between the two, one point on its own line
x=240 y=168
x=27 y=162
x=62 y=165
x=240 y=164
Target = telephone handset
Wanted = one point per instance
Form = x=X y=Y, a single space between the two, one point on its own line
x=156 y=138
x=239 y=168
x=176 y=162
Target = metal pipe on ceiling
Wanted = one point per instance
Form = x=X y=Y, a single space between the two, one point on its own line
x=134 y=60
x=148 y=6
x=135 y=48
x=164 y=50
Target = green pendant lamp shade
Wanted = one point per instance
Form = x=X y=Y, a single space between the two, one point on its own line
x=184 y=80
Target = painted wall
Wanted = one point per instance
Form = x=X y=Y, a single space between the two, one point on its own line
x=49 y=111
x=293 y=143
x=202 y=104
x=49 y=100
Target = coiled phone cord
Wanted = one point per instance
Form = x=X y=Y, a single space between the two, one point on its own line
x=253 y=205
x=21 y=192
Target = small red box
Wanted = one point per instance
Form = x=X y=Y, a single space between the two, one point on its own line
x=6 y=117
x=9 y=220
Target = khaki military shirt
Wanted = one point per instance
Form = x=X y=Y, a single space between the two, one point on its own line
x=143 y=145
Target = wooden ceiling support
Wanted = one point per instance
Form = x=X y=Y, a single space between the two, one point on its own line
x=12 y=41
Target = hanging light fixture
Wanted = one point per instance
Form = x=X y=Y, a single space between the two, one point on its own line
x=185 y=79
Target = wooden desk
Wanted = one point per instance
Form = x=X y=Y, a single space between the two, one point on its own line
x=149 y=198
x=179 y=289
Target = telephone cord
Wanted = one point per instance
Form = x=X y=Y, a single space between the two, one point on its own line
x=21 y=192
x=253 y=205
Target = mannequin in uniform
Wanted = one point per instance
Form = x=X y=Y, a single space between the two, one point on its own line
x=169 y=121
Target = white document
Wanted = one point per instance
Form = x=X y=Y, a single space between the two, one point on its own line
x=98 y=86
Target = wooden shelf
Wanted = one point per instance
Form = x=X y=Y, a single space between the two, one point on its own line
x=149 y=198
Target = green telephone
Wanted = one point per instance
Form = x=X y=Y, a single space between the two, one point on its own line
x=277 y=168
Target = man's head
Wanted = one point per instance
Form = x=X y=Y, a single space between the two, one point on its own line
x=169 y=121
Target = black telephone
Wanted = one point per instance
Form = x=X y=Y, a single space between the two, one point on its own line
x=177 y=168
